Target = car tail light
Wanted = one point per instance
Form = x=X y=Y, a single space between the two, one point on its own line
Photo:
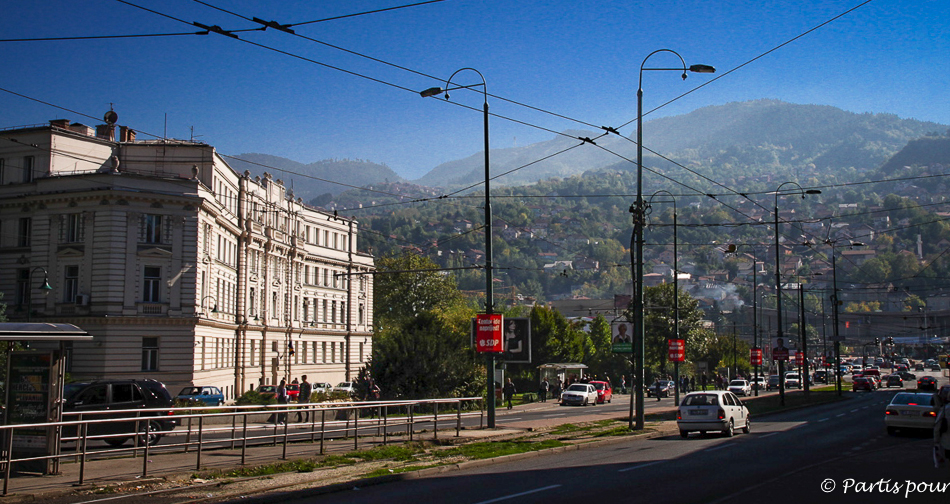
x=679 y=415
x=930 y=414
x=722 y=414
x=890 y=412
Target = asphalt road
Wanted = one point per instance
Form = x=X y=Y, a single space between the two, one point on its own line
x=835 y=453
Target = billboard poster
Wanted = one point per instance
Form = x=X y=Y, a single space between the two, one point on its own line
x=621 y=336
x=517 y=339
x=779 y=350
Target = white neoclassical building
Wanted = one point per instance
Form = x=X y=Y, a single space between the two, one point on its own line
x=182 y=269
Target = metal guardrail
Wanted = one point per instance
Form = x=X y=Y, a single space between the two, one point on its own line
x=243 y=427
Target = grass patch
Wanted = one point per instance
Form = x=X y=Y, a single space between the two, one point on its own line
x=402 y=453
x=568 y=429
x=490 y=449
x=336 y=460
x=620 y=430
x=306 y=465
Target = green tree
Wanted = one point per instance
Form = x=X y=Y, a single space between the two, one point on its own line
x=659 y=324
x=422 y=344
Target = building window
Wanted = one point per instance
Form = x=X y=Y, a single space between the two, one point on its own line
x=72 y=232
x=28 y=164
x=273 y=308
x=152 y=280
x=70 y=284
x=324 y=360
x=149 y=354
x=24 y=232
x=1 y=171
x=68 y=356
x=252 y=303
x=22 y=287
x=153 y=228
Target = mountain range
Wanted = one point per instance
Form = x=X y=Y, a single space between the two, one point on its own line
x=747 y=138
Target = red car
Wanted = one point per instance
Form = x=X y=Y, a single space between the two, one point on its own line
x=604 y=392
x=862 y=383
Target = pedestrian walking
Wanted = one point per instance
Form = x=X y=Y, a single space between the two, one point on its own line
x=623 y=384
x=543 y=390
x=306 y=389
x=705 y=381
x=282 y=399
x=509 y=391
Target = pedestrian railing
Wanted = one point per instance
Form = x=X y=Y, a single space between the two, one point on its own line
x=224 y=427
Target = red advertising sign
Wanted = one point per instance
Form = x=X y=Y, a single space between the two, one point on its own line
x=488 y=333
x=799 y=358
x=755 y=356
x=677 y=350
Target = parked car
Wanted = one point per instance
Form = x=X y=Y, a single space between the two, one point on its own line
x=121 y=399
x=740 y=387
x=862 y=383
x=715 y=410
x=293 y=390
x=580 y=394
x=661 y=388
x=927 y=383
x=267 y=390
x=323 y=387
x=910 y=410
x=604 y=392
x=209 y=396
x=347 y=386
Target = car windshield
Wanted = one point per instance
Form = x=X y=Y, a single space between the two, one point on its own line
x=913 y=399
x=701 y=400
x=345 y=384
x=190 y=391
x=598 y=386
x=578 y=387
x=740 y=383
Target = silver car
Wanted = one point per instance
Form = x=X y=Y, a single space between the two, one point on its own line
x=715 y=410
x=910 y=410
x=580 y=394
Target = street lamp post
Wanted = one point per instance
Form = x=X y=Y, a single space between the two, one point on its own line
x=835 y=302
x=676 y=295
x=778 y=285
x=46 y=288
x=489 y=294
x=755 y=317
x=639 y=213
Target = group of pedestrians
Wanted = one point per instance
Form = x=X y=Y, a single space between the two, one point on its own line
x=303 y=397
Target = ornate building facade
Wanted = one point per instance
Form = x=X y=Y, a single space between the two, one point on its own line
x=182 y=269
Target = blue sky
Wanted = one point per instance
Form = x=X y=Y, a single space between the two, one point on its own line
x=580 y=60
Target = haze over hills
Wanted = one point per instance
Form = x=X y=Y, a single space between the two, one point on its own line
x=740 y=138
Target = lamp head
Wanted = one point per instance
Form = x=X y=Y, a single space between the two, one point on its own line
x=702 y=69
x=812 y=191
x=432 y=91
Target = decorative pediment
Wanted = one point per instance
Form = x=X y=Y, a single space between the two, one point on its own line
x=70 y=251
x=156 y=252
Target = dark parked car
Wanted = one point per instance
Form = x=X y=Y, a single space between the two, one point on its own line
x=121 y=398
x=907 y=375
x=821 y=376
x=927 y=383
x=661 y=388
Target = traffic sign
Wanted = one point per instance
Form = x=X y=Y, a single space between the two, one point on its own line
x=677 y=350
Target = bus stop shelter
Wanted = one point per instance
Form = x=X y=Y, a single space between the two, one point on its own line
x=33 y=388
x=562 y=370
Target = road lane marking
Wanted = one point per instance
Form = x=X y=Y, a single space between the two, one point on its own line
x=729 y=445
x=641 y=466
x=769 y=435
x=516 y=418
x=839 y=415
x=555 y=414
x=522 y=494
x=822 y=420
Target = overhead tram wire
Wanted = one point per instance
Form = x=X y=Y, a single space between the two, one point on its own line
x=285 y=29
x=760 y=56
x=105 y=37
